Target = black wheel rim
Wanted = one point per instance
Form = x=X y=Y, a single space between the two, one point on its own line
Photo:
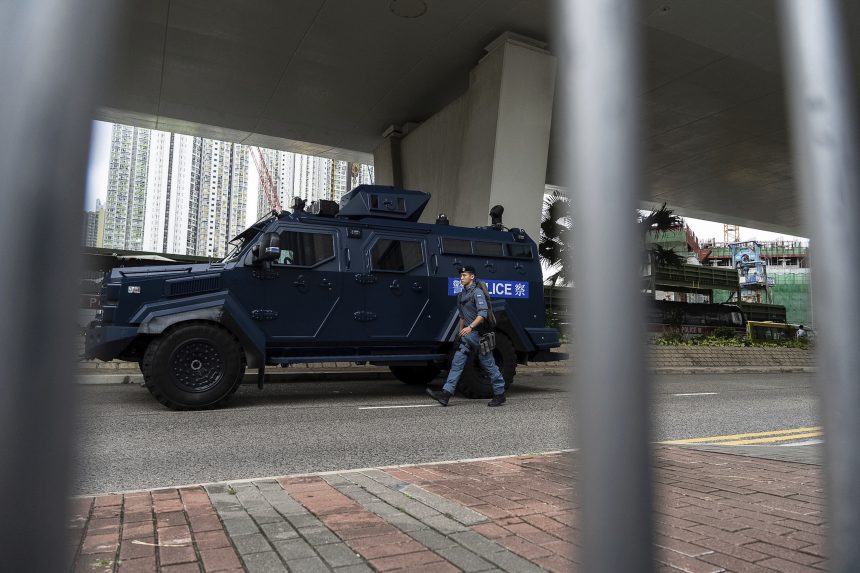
x=196 y=366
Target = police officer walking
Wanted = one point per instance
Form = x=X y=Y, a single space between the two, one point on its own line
x=473 y=309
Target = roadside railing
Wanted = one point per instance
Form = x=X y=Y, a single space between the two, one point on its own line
x=601 y=61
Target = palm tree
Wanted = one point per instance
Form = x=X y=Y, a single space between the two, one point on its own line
x=556 y=230
x=660 y=220
x=555 y=236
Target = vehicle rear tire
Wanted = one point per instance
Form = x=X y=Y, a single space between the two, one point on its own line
x=416 y=375
x=475 y=383
x=193 y=367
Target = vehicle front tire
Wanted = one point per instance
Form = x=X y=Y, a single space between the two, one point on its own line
x=475 y=383
x=416 y=375
x=193 y=367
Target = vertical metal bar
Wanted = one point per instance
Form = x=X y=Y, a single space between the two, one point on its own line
x=824 y=132
x=602 y=62
x=51 y=52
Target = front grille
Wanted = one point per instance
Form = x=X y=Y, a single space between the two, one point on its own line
x=184 y=287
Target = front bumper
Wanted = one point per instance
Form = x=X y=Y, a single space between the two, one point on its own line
x=544 y=338
x=548 y=356
x=106 y=342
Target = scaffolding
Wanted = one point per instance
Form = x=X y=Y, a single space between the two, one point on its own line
x=791 y=253
x=787 y=274
x=791 y=289
x=731 y=233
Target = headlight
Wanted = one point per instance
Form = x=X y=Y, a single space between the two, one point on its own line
x=105 y=314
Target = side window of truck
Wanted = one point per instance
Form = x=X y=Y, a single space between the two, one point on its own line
x=305 y=249
x=395 y=255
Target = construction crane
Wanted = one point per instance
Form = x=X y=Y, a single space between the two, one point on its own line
x=266 y=181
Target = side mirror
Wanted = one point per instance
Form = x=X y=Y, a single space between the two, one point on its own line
x=268 y=249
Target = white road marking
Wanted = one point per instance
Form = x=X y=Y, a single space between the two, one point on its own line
x=804 y=443
x=389 y=407
x=698 y=394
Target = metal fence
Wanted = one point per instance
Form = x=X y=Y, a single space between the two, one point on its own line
x=52 y=51
x=52 y=54
x=602 y=65
x=824 y=132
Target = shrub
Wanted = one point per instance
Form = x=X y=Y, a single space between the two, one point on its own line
x=675 y=339
x=714 y=340
x=724 y=332
x=670 y=339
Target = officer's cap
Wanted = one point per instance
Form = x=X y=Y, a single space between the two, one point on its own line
x=468 y=269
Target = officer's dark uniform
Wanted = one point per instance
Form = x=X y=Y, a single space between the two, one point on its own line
x=471 y=303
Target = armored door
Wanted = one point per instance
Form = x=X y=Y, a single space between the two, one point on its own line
x=397 y=287
x=303 y=288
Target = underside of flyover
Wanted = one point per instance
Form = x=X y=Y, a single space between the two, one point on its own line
x=328 y=77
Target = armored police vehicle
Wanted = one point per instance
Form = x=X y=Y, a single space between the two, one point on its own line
x=359 y=282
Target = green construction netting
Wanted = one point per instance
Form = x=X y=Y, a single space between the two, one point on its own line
x=791 y=291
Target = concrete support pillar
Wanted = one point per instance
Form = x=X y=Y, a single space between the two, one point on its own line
x=489 y=146
x=506 y=136
x=387 y=165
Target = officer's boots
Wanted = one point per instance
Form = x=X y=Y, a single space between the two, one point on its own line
x=440 y=396
x=498 y=400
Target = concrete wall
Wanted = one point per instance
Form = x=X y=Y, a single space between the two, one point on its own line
x=700 y=359
x=724 y=357
x=430 y=157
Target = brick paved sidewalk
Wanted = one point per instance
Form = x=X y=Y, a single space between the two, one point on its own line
x=714 y=512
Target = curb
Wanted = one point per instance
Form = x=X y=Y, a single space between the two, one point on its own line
x=332 y=472
x=733 y=370
x=96 y=379
x=87 y=379
x=101 y=378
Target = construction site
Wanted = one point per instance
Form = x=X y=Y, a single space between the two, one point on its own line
x=760 y=272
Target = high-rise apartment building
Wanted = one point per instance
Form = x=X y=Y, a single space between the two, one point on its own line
x=126 y=196
x=365 y=176
x=180 y=194
x=172 y=193
x=311 y=178
x=196 y=182
x=347 y=176
x=223 y=196
x=100 y=224
x=157 y=190
x=340 y=179
x=90 y=226
x=281 y=167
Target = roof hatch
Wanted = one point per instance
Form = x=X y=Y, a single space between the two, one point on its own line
x=383 y=202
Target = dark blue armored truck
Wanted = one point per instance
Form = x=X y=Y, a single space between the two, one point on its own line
x=359 y=282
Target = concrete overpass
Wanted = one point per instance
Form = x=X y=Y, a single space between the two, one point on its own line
x=328 y=77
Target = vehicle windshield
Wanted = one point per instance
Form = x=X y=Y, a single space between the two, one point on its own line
x=238 y=242
x=235 y=248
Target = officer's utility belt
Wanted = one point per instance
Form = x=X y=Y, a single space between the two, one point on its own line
x=488 y=342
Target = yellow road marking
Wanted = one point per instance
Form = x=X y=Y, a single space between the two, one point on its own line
x=787 y=433
x=772 y=439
